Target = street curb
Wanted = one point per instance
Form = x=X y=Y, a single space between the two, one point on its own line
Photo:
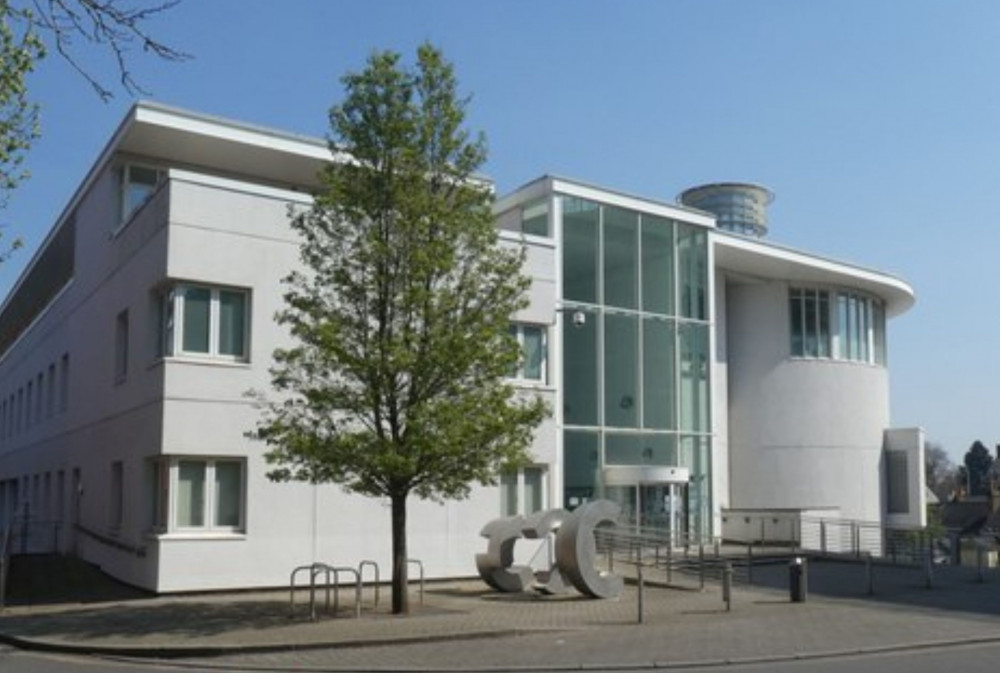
x=195 y=651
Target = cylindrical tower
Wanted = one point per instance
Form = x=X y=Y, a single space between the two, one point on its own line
x=740 y=207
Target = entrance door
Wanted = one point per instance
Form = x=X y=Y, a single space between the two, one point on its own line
x=664 y=506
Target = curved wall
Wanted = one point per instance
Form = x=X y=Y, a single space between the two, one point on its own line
x=803 y=433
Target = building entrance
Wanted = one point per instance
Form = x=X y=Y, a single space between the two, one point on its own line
x=651 y=497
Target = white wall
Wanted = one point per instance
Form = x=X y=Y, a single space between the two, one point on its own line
x=803 y=433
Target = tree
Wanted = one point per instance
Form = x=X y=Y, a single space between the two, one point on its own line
x=26 y=26
x=977 y=464
x=940 y=472
x=395 y=385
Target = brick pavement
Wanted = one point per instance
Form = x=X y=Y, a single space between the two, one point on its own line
x=463 y=625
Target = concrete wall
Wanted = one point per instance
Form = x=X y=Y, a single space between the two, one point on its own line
x=803 y=433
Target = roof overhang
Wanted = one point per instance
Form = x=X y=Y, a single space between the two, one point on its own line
x=753 y=259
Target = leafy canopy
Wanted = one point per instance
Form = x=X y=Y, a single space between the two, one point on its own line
x=400 y=317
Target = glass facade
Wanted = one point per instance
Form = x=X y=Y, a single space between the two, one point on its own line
x=840 y=325
x=635 y=346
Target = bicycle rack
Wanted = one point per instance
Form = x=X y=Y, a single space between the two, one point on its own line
x=336 y=570
x=419 y=564
x=361 y=569
x=314 y=570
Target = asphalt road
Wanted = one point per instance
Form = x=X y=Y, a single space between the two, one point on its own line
x=966 y=658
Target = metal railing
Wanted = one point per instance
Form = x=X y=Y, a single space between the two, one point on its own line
x=5 y=540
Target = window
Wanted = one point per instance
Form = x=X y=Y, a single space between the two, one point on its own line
x=116 y=496
x=522 y=491
x=138 y=184
x=50 y=403
x=64 y=382
x=121 y=346
x=841 y=325
x=39 y=396
x=27 y=406
x=205 y=322
x=531 y=339
x=535 y=218
x=201 y=494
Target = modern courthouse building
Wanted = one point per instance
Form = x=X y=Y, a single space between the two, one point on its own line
x=698 y=374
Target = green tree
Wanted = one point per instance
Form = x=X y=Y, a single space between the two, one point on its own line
x=27 y=26
x=977 y=464
x=400 y=319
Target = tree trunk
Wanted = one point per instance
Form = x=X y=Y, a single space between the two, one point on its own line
x=400 y=597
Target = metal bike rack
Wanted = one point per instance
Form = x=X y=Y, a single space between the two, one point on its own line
x=361 y=569
x=314 y=570
x=336 y=570
x=420 y=565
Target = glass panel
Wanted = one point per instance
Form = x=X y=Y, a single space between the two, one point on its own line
x=692 y=259
x=811 y=342
x=534 y=353
x=580 y=469
x=190 y=493
x=197 y=303
x=515 y=333
x=694 y=400
x=853 y=347
x=232 y=323
x=695 y=456
x=625 y=497
x=621 y=376
x=795 y=313
x=141 y=185
x=580 y=219
x=659 y=449
x=657 y=265
x=878 y=327
x=508 y=493
x=533 y=500
x=535 y=218
x=863 y=329
x=843 y=323
x=580 y=368
x=228 y=491
x=621 y=264
x=659 y=379
x=823 y=341
x=622 y=449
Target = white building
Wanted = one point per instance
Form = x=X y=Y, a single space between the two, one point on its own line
x=694 y=372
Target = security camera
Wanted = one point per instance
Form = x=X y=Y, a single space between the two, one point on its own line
x=579 y=319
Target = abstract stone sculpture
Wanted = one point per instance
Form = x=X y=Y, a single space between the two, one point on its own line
x=576 y=550
x=538 y=526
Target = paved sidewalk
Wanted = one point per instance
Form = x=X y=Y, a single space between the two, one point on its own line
x=463 y=625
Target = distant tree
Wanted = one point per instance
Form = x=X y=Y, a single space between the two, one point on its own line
x=396 y=382
x=940 y=472
x=977 y=464
x=27 y=27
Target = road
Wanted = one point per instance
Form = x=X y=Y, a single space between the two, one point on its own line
x=966 y=658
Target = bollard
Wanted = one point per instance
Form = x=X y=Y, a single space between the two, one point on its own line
x=701 y=567
x=638 y=568
x=797 y=580
x=928 y=572
x=670 y=563
x=749 y=564
x=727 y=585
x=869 y=574
x=980 y=552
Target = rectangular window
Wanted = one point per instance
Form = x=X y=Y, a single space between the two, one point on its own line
x=116 y=496
x=581 y=220
x=64 y=382
x=535 y=218
x=214 y=322
x=190 y=494
x=532 y=341
x=50 y=391
x=27 y=406
x=208 y=494
x=522 y=491
x=138 y=184
x=121 y=346
x=809 y=314
x=39 y=396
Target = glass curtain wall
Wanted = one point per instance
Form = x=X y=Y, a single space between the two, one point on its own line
x=635 y=350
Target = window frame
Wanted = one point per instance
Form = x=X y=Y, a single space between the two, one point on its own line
x=848 y=325
x=520 y=489
x=517 y=330
x=126 y=209
x=165 y=472
x=171 y=323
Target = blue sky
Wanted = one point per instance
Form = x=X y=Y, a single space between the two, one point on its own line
x=876 y=123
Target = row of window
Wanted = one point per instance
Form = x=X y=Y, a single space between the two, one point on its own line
x=34 y=496
x=38 y=399
x=840 y=325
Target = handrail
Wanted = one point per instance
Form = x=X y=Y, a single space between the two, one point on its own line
x=361 y=568
x=420 y=565
x=5 y=539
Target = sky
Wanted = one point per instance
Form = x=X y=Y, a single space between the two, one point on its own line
x=875 y=122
